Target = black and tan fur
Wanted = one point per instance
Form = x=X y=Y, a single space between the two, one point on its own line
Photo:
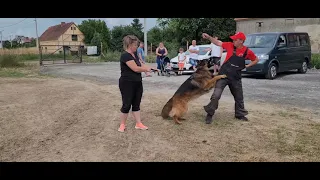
x=200 y=83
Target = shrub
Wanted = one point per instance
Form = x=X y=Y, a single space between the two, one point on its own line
x=10 y=60
x=315 y=61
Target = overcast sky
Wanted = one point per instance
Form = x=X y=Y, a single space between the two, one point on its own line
x=26 y=26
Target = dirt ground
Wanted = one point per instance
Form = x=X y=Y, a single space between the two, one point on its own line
x=58 y=120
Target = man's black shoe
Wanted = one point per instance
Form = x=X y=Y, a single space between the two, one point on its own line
x=209 y=109
x=242 y=118
x=209 y=119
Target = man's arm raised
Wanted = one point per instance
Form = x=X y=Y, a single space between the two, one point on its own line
x=213 y=40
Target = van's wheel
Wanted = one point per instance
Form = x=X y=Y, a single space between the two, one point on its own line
x=304 y=67
x=272 y=71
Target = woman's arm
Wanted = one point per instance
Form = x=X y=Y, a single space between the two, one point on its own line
x=166 y=51
x=133 y=66
x=157 y=52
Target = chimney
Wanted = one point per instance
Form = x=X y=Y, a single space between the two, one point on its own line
x=62 y=23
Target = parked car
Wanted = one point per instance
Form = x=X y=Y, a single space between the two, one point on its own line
x=202 y=55
x=279 y=52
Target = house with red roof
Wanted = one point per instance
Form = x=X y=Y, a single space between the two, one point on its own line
x=62 y=35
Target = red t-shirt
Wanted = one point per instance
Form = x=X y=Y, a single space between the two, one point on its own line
x=239 y=52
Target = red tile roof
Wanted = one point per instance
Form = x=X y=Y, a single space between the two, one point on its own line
x=54 y=32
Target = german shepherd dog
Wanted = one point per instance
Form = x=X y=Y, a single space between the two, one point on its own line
x=198 y=84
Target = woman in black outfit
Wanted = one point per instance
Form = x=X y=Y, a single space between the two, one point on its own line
x=130 y=82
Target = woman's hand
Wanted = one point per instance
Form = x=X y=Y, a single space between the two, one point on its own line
x=147 y=68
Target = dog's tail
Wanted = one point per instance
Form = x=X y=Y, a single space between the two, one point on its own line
x=166 y=109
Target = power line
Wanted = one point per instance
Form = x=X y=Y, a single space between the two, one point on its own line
x=14 y=23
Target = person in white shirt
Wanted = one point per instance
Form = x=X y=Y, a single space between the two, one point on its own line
x=181 y=60
x=194 y=51
x=216 y=53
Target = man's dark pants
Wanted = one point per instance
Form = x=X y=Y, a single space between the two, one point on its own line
x=235 y=87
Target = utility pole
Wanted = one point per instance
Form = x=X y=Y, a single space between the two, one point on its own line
x=145 y=37
x=10 y=39
x=38 y=42
x=1 y=39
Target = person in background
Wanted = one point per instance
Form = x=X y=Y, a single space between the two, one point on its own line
x=181 y=60
x=216 y=53
x=193 y=57
x=161 y=52
x=141 y=56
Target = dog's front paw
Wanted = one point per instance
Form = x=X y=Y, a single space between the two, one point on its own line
x=223 y=76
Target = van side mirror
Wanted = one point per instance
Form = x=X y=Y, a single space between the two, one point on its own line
x=281 y=45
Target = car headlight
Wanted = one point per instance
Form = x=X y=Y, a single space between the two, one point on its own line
x=263 y=57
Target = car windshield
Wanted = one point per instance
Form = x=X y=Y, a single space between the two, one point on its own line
x=260 y=40
x=201 y=51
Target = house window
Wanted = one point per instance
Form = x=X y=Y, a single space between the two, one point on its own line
x=71 y=28
x=74 y=38
x=74 y=28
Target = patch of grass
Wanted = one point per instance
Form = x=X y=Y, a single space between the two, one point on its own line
x=112 y=56
x=29 y=57
x=315 y=61
x=302 y=142
x=10 y=72
x=28 y=69
x=289 y=114
x=9 y=60
x=92 y=59
x=283 y=113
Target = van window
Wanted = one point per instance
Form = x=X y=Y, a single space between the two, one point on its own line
x=293 y=40
x=260 y=40
x=303 y=40
x=282 y=41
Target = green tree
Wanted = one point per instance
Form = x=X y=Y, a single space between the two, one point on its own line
x=118 y=32
x=187 y=29
x=137 y=25
x=91 y=26
x=96 y=41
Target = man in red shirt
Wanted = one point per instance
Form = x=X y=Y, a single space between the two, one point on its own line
x=237 y=53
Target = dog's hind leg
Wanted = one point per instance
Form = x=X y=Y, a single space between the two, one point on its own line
x=180 y=118
x=174 y=114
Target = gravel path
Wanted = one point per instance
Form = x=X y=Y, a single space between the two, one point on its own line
x=292 y=89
